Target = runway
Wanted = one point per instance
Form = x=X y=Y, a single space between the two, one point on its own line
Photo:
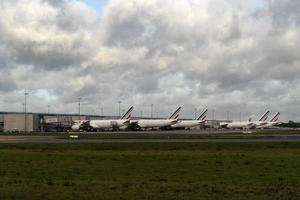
x=227 y=139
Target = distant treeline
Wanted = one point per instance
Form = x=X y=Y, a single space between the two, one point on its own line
x=290 y=124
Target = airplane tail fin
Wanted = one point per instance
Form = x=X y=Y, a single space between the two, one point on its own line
x=264 y=117
x=175 y=115
x=275 y=118
x=203 y=115
x=127 y=115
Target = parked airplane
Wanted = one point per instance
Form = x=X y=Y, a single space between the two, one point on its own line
x=273 y=121
x=246 y=124
x=191 y=123
x=157 y=123
x=102 y=124
x=112 y=124
x=238 y=125
x=262 y=120
x=79 y=125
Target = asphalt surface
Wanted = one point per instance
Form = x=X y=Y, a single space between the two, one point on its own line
x=57 y=139
x=173 y=132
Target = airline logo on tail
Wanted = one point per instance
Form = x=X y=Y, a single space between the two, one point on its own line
x=275 y=118
x=202 y=117
x=127 y=115
x=175 y=115
x=264 y=117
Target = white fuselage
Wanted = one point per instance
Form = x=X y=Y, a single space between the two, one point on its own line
x=107 y=124
x=268 y=124
x=155 y=123
x=259 y=123
x=240 y=125
x=187 y=123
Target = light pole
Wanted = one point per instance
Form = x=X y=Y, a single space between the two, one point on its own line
x=151 y=110
x=101 y=109
x=141 y=113
x=48 y=109
x=25 y=111
x=227 y=115
x=119 y=102
x=79 y=99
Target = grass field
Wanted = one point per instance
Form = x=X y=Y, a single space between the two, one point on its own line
x=150 y=171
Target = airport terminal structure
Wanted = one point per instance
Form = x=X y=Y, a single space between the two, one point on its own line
x=45 y=122
x=39 y=122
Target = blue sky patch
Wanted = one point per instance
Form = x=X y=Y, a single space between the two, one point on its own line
x=97 y=5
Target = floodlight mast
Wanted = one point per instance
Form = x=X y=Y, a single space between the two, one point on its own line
x=25 y=111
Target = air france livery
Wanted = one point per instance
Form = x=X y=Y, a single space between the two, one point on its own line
x=246 y=124
x=158 y=123
x=272 y=122
x=103 y=124
x=262 y=120
x=191 y=123
x=111 y=123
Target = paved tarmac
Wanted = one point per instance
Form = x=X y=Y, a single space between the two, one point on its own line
x=57 y=139
x=173 y=132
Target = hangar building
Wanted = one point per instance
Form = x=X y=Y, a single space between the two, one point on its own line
x=35 y=122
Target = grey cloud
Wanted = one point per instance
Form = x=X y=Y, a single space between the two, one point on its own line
x=54 y=39
x=189 y=53
x=284 y=13
x=7 y=84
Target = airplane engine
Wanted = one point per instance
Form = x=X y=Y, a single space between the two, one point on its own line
x=76 y=127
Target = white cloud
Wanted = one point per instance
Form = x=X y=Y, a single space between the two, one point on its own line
x=224 y=55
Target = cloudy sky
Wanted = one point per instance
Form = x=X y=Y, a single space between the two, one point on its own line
x=229 y=55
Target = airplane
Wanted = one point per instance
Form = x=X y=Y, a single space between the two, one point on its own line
x=262 y=120
x=79 y=125
x=237 y=125
x=157 y=123
x=273 y=121
x=246 y=124
x=191 y=123
x=101 y=124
